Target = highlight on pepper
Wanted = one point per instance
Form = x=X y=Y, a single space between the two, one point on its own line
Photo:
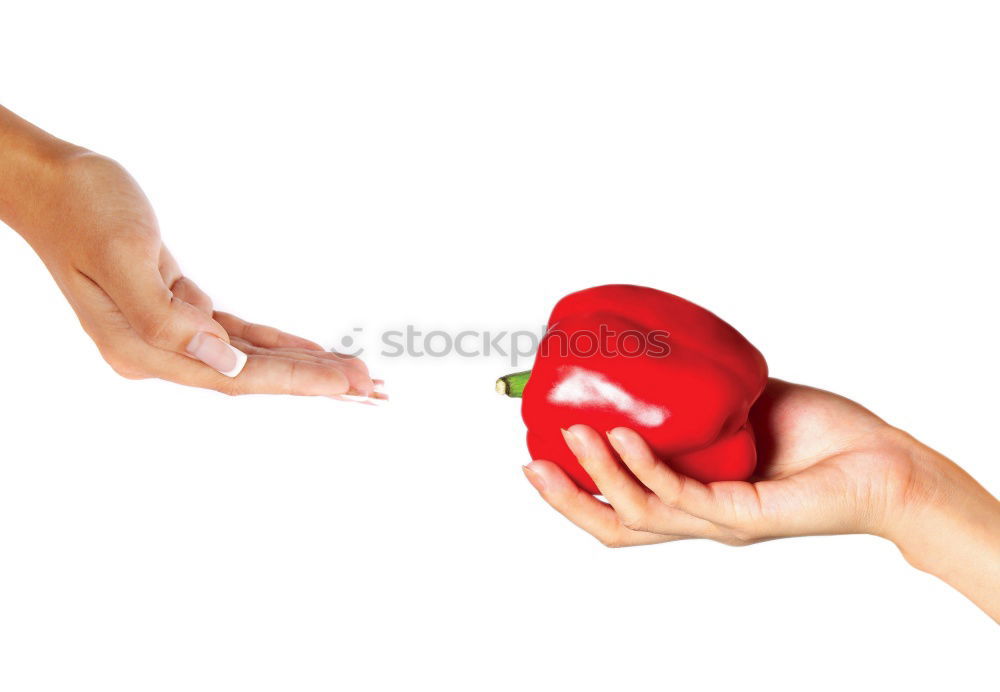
x=688 y=392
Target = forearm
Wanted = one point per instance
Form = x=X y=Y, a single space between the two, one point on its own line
x=951 y=529
x=29 y=161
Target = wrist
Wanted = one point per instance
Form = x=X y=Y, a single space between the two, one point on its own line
x=930 y=490
x=31 y=162
x=948 y=525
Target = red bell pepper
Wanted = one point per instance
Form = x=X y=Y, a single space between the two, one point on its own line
x=640 y=358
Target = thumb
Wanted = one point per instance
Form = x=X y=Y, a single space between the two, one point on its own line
x=167 y=322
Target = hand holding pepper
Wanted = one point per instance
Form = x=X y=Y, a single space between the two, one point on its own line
x=826 y=465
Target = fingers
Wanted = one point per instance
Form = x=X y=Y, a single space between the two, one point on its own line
x=617 y=485
x=295 y=371
x=138 y=296
x=275 y=341
x=166 y=321
x=181 y=286
x=583 y=509
x=634 y=515
x=359 y=383
x=188 y=291
x=732 y=504
x=169 y=312
x=267 y=374
x=135 y=284
x=263 y=374
x=636 y=506
x=262 y=335
x=352 y=362
x=179 y=319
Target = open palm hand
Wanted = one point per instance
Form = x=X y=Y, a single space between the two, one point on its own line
x=97 y=233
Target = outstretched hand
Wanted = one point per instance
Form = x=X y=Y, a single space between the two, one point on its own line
x=97 y=234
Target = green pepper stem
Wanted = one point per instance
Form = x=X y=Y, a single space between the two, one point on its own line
x=513 y=385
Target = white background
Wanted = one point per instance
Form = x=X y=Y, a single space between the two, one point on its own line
x=822 y=175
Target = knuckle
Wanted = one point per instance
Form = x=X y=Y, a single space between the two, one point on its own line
x=125 y=245
x=634 y=522
x=674 y=492
x=152 y=329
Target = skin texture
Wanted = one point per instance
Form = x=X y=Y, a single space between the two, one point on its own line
x=96 y=232
x=826 y=466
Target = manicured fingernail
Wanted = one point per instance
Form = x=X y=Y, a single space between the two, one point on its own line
x=379 y=386
x=217 y=354
x=573 y=442
x=534 y=478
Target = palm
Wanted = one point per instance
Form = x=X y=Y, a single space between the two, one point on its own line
x=798 y=427
x=816 y=449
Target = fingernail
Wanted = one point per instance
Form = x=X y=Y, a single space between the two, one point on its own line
x=573 y=442
x=534 y=478
x=615 y=440
x=379 y=386
x=217 y=354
